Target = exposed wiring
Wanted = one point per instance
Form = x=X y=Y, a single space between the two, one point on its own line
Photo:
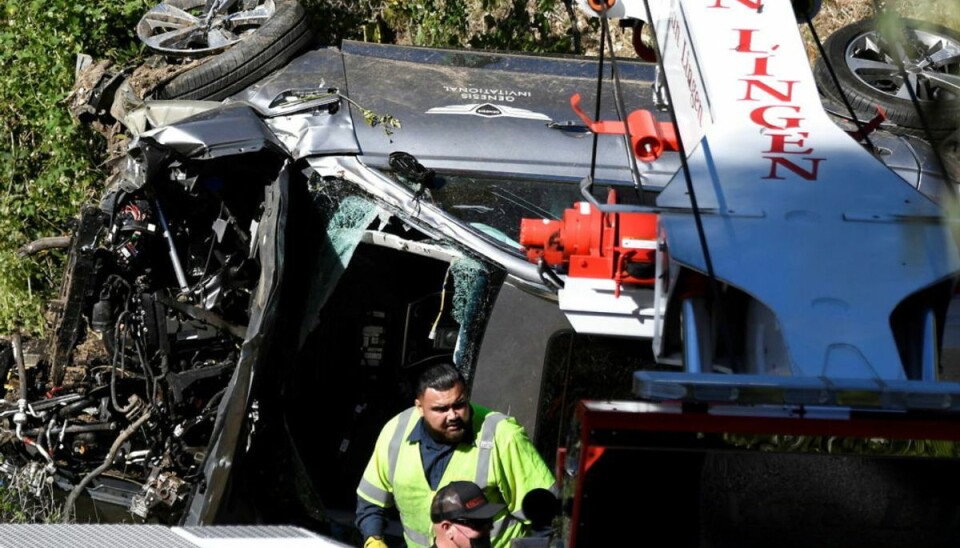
x=68 y=506
x=51 y=467
x=119 y=346
x=150 y=379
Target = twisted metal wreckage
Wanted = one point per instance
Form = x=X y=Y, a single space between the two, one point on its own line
x=265 y=271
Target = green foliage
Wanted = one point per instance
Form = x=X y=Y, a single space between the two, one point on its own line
x=524 y=25
x=522 y=30
x=48 y=164
x=430 y=22
x=336 y=20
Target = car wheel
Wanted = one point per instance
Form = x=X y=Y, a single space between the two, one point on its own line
x=866 y=67
x=242 y=45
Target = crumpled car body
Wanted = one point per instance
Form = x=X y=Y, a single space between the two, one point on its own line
x=267 y=274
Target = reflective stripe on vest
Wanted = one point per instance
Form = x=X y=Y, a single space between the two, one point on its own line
x=393 y=450
x=486 y=443
x=416 y=536
x=374 y=493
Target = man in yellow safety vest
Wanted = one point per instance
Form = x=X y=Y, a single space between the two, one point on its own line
x=445 y=438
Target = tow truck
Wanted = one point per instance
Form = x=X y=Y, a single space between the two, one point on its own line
x=800 y=291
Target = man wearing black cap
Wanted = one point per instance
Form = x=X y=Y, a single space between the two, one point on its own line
x=441 y=439
x=462 y=516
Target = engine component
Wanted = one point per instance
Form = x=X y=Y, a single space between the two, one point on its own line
x=161 y=488
x=133 y=225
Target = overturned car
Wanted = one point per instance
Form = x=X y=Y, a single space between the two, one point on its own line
x=252 y=258
x=267 y=273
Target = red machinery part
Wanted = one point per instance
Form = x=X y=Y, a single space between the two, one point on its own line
x=591 y=244
x=648 y=137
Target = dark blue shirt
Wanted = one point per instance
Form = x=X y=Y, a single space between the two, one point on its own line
x=434 y=454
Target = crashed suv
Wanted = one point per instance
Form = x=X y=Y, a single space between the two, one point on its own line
x=267 y=272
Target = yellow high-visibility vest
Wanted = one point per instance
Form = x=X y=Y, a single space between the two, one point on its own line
x=501 y=460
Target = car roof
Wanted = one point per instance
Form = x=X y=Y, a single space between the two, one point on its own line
x=491 y=112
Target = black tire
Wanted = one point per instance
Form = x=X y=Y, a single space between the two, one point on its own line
x=939 y=107
x=284 y=35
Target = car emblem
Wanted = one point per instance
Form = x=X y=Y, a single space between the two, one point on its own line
x=489 y=110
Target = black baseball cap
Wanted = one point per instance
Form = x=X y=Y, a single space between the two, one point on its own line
x=462 y=500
